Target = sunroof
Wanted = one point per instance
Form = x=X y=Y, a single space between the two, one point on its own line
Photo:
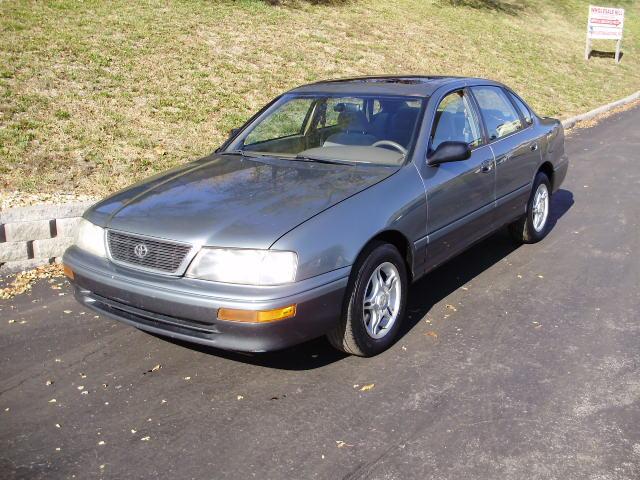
x=401 y=80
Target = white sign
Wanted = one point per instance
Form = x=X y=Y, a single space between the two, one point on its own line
x=605 y=23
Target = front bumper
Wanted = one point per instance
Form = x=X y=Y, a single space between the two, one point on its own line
x=186 y=309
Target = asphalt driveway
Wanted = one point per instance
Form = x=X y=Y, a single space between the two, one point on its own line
x=516 y=363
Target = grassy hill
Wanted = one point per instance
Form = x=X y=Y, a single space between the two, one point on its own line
x=94 y=95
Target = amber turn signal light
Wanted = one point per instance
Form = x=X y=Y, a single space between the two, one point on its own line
x=256 y=316
x=67 y=272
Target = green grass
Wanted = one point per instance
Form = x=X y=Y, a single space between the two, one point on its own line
x=94 y=95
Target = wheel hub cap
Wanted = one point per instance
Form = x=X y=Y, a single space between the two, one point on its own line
x=540 y=208
x=381 y=304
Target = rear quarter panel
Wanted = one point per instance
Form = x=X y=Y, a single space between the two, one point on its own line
x=553 y=149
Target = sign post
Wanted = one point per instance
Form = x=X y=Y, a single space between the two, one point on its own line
x=604 y=23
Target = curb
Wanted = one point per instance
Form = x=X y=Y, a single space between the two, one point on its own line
x=571 y=122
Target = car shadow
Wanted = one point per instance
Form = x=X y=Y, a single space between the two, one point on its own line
x=423 y=295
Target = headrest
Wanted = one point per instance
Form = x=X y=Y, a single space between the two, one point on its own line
x=353 y=121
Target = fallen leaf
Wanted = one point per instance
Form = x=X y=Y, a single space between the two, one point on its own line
x=101 y=442
x=367 y=387
x=155 y=368
x=53 y=400
x=451 y=307
x=341 y=444
x=57 y=425
x=80 y=387
x=48 y=382
x=145 y=439
x=540 y=276
x=240 y=397
x=431 y=333
x=12 y=321
x=187 y=378
x=67 y=311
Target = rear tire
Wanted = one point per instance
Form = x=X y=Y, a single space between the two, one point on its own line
x=374 y=303
x=533 y=226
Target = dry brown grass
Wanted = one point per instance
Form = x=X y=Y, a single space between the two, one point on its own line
x=95 y=95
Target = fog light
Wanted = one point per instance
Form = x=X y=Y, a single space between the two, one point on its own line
x=256 y=316
x=68 y=272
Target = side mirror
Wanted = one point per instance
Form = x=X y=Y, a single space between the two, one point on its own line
x=449 y=152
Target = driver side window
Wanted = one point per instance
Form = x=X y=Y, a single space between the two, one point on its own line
x=455 y=121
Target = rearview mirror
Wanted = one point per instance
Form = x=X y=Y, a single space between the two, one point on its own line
x=449 y=152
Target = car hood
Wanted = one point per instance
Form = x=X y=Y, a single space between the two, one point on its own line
x=232 y=201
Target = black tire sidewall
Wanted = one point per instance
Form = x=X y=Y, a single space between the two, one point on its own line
x=355 y=312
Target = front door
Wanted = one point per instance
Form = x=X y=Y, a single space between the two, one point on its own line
x=460 y=195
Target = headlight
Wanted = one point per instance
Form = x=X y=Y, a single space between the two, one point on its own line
x=90 y=238
x=251 y=267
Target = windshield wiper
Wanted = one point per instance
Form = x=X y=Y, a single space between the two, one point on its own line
x=304 y=158
x=234 y=152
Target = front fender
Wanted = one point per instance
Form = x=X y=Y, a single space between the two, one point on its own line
x=334 y=238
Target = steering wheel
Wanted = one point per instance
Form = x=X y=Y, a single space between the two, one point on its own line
x=391 y=143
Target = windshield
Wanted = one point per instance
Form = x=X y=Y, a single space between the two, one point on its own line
x=355 y=129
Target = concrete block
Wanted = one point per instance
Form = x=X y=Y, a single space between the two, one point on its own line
x=43 y=212
x=52 y=247
x=20 y=265
x=67 y=227
x=24 y=231
x=12 y=251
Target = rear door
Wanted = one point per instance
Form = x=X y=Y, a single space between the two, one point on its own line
x=515 y=147
x=460 y=195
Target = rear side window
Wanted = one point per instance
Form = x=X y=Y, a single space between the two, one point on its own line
x=526 y=113
x=498 y=112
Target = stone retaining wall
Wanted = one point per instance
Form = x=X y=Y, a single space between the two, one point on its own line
x=32 y=236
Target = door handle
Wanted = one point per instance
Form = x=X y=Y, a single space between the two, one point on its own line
x=533 y=147
x=486 y=167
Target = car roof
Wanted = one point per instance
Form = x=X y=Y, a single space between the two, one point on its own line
x=409 y=85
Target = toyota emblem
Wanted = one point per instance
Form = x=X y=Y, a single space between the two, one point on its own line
x=141 y=250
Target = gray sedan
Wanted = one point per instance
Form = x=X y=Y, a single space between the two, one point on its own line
x=315 y=216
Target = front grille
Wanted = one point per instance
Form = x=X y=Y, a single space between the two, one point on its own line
x=146 y=253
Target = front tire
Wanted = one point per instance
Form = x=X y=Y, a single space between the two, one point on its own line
x=374 y=304
x=533 y=226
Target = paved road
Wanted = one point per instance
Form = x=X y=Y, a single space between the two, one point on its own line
x=533 y=374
